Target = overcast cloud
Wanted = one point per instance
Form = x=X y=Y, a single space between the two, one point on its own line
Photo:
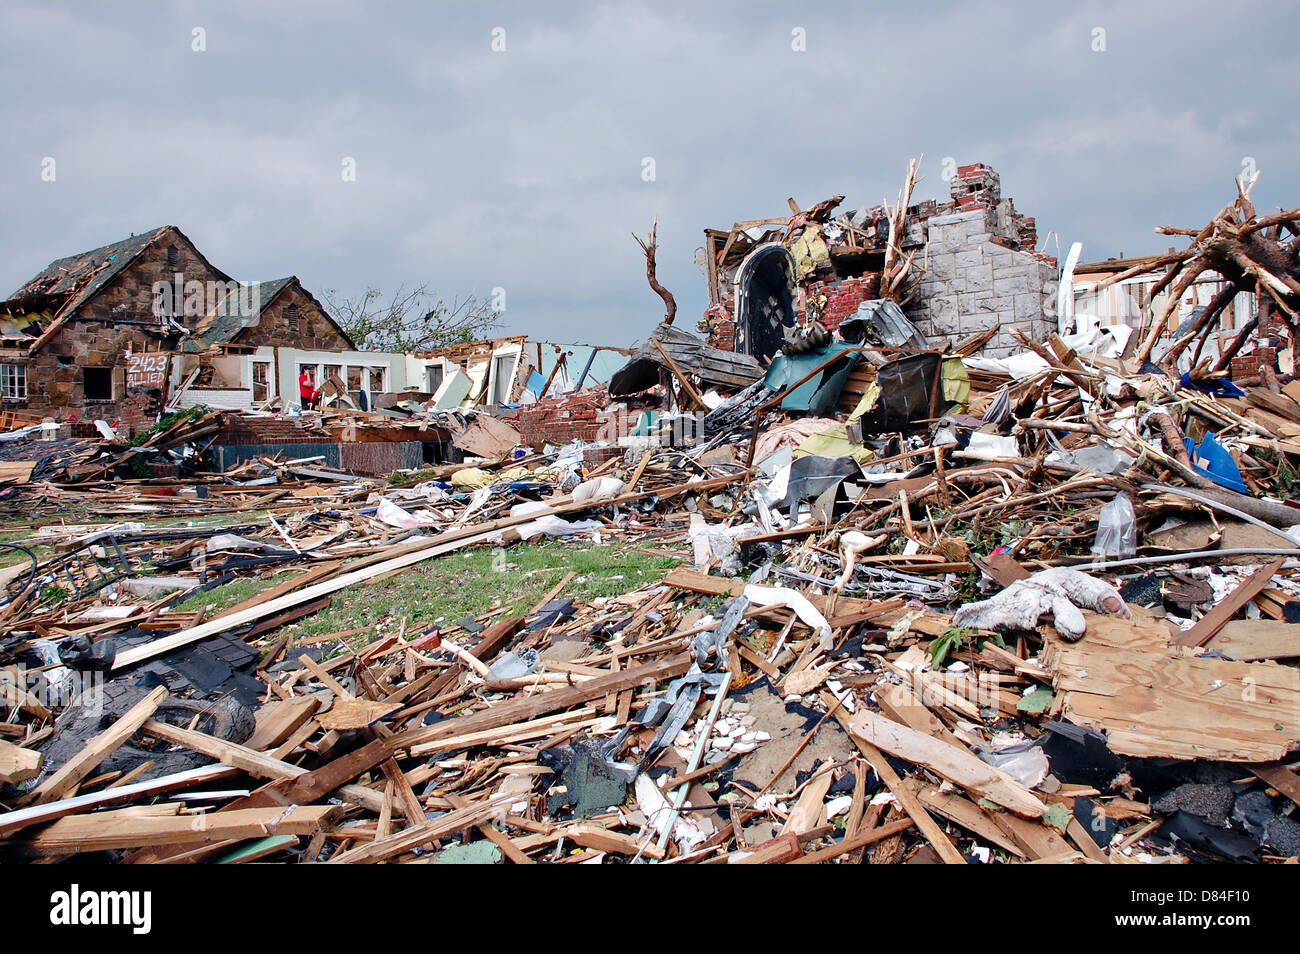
x=522 y=169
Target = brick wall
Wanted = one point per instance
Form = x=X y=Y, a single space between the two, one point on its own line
x=719 y=326
x=239 y=430
x=95 y=335
x=582 y=416
x=984 y=269
x=1248 y=365
x=369 y=460
x=844 y=296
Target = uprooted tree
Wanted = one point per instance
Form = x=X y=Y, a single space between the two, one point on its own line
x=412 y=318
x=648 y=246
x=1249 y=251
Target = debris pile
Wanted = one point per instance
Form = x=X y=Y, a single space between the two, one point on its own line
x=929 y=604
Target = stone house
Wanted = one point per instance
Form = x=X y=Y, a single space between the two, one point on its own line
x=111 y=332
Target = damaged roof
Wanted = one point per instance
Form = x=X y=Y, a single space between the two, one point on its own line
x=65 y=275
x=223 y=324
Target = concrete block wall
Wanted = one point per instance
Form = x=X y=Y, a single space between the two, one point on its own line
x=974 y=283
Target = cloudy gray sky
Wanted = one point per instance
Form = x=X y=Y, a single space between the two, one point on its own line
x=522 y=168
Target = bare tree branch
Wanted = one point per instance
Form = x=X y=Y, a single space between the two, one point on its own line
x=648 y=246
x=413 y=318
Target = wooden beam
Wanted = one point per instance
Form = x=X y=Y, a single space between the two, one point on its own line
x=1213 y=621
x=18 y=764
x=446 y=543
x=125 y=828
x=907 y=799
x=530 y=707
x=257 y=764
x=39 y=814
x=860 y=840
x=79 y=767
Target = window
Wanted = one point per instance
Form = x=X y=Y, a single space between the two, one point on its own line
x=503 y=377
x=261 y=382
x=433 y=376
x=13 y=382
x=99 y=384
x=377 y=376
x=173 y=256
x=291 y=318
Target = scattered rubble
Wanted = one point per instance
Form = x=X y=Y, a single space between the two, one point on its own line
x=937 y=598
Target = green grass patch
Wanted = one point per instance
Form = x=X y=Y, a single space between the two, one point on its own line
x=474 y=581
x=221 y=598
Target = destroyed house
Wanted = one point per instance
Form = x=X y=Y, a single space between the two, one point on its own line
x=250 y=348
x=110 y=332
x=1127 y=297
x=958 y=268
x=507 y=371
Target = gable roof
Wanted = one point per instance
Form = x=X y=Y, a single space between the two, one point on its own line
x=223 y=323
x=72 y=281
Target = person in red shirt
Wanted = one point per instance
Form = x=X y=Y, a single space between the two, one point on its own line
x=307 y=390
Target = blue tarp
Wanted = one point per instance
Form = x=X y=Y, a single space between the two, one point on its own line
x=819 y=393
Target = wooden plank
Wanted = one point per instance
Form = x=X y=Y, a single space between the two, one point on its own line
x=807 y=810
x=959 y=767
x=677 y=373
x=355 y=713
x=1228 y=607
x=276 y=721
x=779 y=851
x=1155 y=702
x=507 y=846
x=257 y=764
x=530 y=707
x=965 y=813
x=18 y=764
x=854 y=842
x=316 y=574
x=907 y=799
x=1035 y=839
x=79 y=767
x=448 y=542
x=590 y=835
x=1249 y=639
x=112 y=830
x=39 y=814
x=413 y=837
x=1281 y=778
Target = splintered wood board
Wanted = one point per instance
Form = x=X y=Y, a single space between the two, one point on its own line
x=1153 y=700
x=1257 y=639
x=16 y=472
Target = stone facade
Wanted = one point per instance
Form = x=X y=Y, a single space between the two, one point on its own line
x=294 y=319
x=96 y=335
x=975 y=282
x=140 y=295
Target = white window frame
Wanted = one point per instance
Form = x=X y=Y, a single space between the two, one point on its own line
x=270 y=381
x=13 y=382
x=494 y=391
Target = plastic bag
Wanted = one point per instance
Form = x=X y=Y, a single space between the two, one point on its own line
x=1117 y=529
